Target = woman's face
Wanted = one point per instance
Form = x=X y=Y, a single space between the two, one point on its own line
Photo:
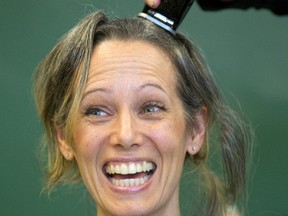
x=131 y=137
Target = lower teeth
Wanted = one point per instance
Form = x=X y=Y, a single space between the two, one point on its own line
x=129 y=182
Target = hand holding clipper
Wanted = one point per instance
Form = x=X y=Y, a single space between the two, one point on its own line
x=169 y=14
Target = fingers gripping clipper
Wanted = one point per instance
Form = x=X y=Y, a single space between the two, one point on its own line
x=168 y=15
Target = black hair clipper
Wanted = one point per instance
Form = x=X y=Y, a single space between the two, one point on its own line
x=168 y=15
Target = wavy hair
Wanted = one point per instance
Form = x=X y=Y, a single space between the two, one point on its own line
x=62 y=75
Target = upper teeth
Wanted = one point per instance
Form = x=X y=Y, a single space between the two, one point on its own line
x=130 y=168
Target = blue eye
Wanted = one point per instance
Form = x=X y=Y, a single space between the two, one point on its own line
x=95 y=111
x=152 y=107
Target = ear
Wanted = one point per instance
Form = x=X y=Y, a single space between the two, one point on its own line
x=64 y=147
x=197 y=137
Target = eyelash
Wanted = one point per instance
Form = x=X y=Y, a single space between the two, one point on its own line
x=92 y=109
x=153 y=105
x=156 y=107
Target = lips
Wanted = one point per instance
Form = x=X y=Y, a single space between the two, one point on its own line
x=129 y=174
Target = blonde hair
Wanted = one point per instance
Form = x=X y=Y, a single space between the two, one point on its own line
x=62 y=75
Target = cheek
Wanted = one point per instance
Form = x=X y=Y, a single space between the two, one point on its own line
x=170 y=138
x=87 y=142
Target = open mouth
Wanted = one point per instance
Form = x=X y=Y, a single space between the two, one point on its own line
x=129 y=174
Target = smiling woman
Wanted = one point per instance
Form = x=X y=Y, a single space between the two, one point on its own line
x=124 y=104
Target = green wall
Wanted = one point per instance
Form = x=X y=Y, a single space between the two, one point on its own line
x=246 y=50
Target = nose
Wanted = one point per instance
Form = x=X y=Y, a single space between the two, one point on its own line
x=126 y=133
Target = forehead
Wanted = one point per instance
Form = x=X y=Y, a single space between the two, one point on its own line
x=137 y=51
x=126 y=59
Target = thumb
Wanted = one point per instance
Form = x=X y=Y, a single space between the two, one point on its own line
x=153 y=3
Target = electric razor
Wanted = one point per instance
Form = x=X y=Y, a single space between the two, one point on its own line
x=168 y=15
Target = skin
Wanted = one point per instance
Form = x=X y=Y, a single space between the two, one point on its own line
x=130 y=112
x=153 y=3
x=156 y=3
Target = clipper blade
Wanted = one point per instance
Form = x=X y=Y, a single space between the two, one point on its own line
x=168 y=15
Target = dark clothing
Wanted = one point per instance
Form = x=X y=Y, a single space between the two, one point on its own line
x=278 y=7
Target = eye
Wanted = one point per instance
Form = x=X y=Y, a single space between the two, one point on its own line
x=152 y=107
x=95 y=111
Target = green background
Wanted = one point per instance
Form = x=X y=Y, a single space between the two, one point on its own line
x=246 y=50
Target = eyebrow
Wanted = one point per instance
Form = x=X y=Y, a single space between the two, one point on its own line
x=151 y=85
x=105 y=90
x=140 y=88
